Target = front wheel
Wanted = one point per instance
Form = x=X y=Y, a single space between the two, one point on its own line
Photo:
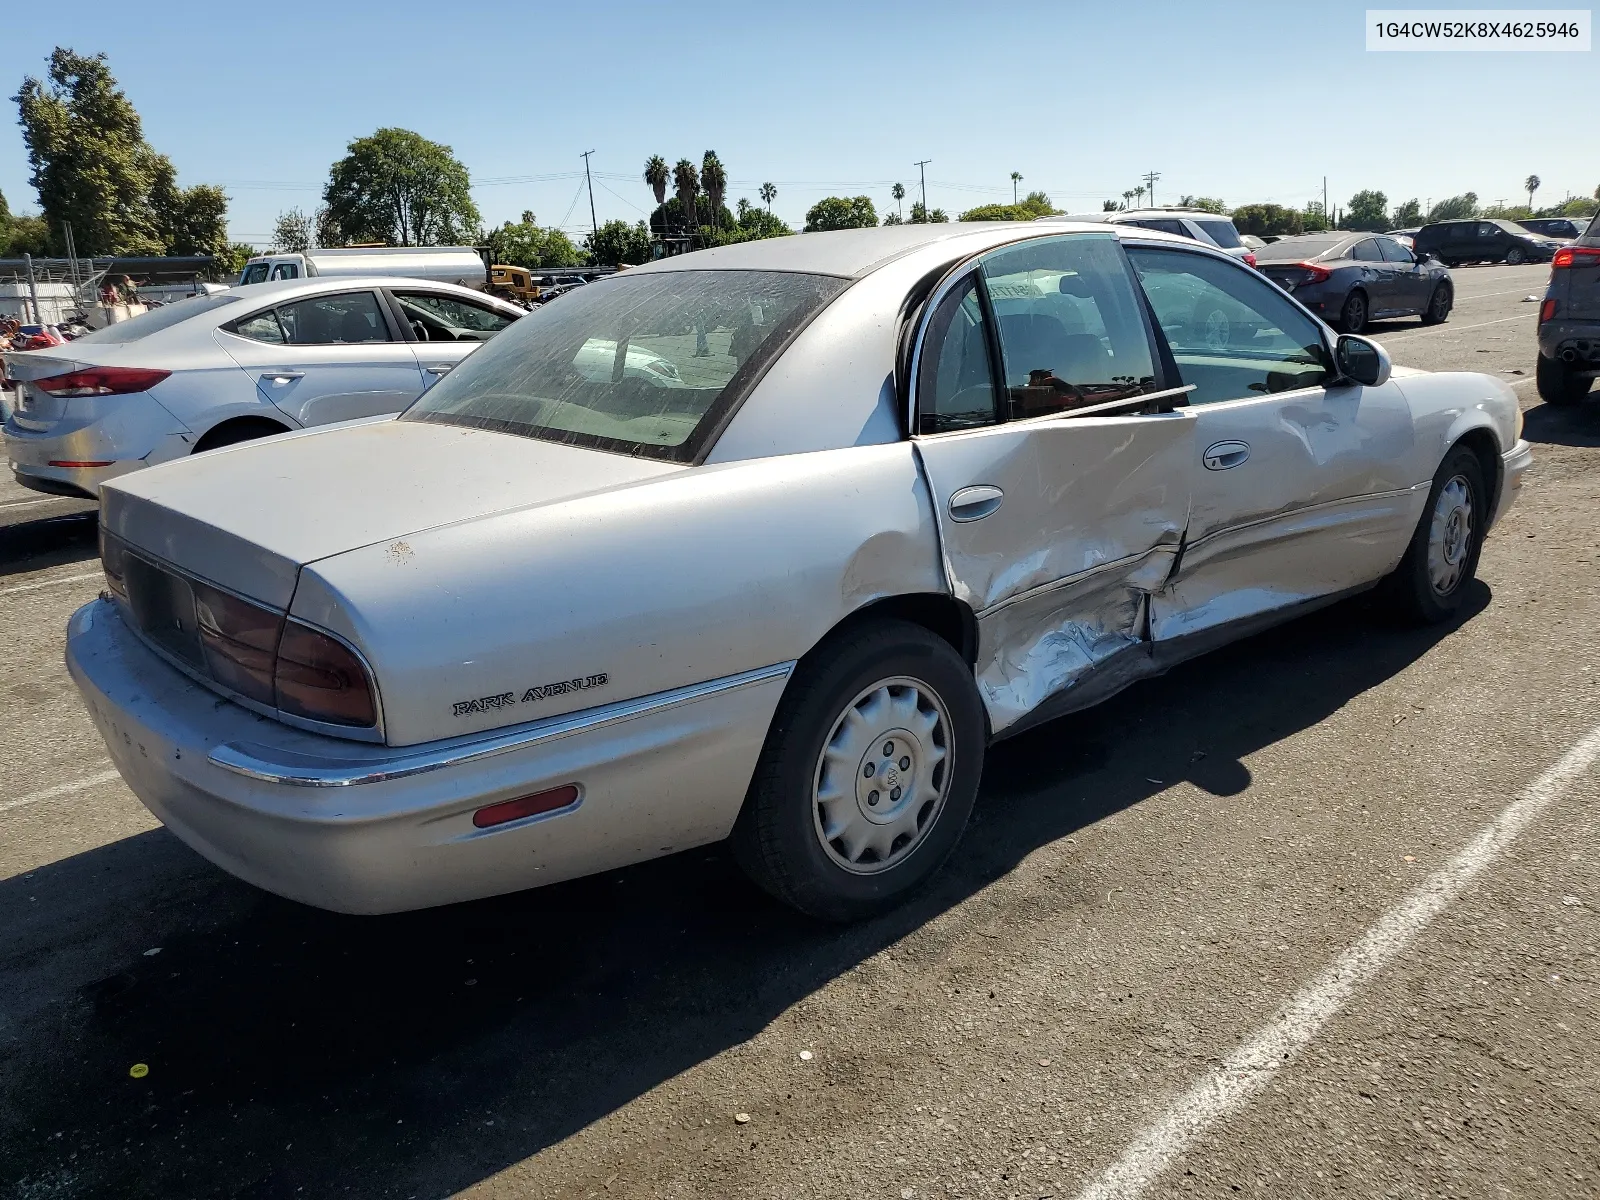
x=868 y=774
x=1430 y=584
x=1353 y=317
x=1439 y=304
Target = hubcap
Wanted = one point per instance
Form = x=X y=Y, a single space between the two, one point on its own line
x=1450 y=535
x=1441 y=302
x=1217 y=329
x=882 y=775
x=1356 y=312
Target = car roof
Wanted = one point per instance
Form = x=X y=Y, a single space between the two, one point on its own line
x=852 y=253
x=313 y=284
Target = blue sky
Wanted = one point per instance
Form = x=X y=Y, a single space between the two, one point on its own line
x=1246 y=101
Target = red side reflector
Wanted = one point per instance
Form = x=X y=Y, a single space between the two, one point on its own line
x=1547 y=309
x=526 y=806
x=73 y=462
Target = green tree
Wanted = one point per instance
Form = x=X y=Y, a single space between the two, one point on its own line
x=1368 y=211
x=686 y=182
x=190 y=220
x=231 y=261
x=1455 y=208
x=1109 y=206
x=293 y=232
x=1038 y=204
x=24 y=235
x=898 y=191
x=1406 y=215
x=714 y=179
x=1531 y=185
x=921 y=216
x=769 y=193
x=617 y=242
x=1267 y=219
x=525 y=244
x=757 y=223
x=1033 y=206
x=1016 y=178
x=398 y=187
x=90 y=163
x=1204 y=203
x=1507 y=212
x=670 y=220
x=1314 y=217
x=657 y=176
x=1579 y=206
x=837 y=212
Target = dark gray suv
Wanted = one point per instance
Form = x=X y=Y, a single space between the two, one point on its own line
x=1569 y=321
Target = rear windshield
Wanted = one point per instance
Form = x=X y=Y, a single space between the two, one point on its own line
x=638 y=364
x=1221 y=232
x=1297 y=248
x=158 y=319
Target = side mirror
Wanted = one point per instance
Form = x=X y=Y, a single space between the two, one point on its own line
x=1362 y=361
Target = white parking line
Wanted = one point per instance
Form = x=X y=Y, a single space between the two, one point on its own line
x=1457 y=328
x=61 y=789
x=44 y=583
x=1486 y=295
x=1251 y=1067
x=27 y=503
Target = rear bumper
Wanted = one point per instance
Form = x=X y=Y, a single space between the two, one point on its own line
x=120 y=439
x=359 y=828
x=1576 y=343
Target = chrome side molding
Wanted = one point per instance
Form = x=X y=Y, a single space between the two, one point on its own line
x=291 y=768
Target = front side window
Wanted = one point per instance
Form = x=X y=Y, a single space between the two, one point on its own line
x=1394 y=252
x=1069 y=324
x=644 y=364
x=1234 y=335
x=956 y=388
x=286 y=271
x=1366 y=250
x=438 y=318
x=348 y=318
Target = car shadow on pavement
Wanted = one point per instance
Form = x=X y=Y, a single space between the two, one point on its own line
x=49 y=542
x=293 y=1052
x=1565 y=425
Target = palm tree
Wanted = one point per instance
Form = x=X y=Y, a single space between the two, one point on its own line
x=898 y=191
x=686 y=182
x=656 y=175
x=1139 y=193
x=1126 y=196
x=715 y=180
x=1531 y=183
x=769 y=193
x=1016 y=178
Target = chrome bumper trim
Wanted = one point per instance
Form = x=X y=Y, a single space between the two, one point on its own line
x=271 y=765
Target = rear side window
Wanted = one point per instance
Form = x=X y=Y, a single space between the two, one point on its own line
x=956 y=388
x=263 y=327
x=1366 y=251
x=1069 y=324
x=1161 y=225
x=345 y=319
x=1222 y=233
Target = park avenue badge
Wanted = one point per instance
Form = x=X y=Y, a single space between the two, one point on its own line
x=543 y=691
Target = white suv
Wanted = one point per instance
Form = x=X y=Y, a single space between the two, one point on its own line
x=1208 y=228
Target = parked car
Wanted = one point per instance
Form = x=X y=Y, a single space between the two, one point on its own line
x=543 y=625
x=1569 y=321
x=1348 y=279
x=1457 y=242
x=1560 y=228
x=246 y=363
x=1208 y=228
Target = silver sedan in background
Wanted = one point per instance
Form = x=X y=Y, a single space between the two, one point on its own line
x=246 y=363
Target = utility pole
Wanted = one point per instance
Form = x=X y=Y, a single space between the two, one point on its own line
x=33 y=290
x=923 y=175
x=592 y=219
x=1150 y=178
x=1324 y=197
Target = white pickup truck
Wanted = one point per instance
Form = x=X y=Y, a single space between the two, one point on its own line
x=460 y=265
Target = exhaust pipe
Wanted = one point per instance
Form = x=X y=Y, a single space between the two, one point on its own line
x=1569 y=355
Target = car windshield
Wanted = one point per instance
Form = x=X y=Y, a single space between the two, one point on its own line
x=158 y=319
x=643 y=364
x=1297 y=248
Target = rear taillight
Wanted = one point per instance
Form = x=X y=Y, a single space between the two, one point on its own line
x=1250 y=259
x=238 y=640
x=1314 y=273
x=321 y=679
x=1547 y=309
x=1576 y=256
x=101 y=381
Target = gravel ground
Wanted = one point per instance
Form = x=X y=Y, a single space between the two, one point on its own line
x=1143 y=889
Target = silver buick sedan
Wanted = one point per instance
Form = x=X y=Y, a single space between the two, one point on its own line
x=767 y=542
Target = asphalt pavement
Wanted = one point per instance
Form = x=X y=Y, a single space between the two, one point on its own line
x=1313 y=916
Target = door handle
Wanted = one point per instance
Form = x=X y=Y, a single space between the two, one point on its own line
x=976 y=502
x=443 y=369
x=1223 y=455
x=283 y=376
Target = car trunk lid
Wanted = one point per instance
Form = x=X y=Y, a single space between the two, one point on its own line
x=248 y=517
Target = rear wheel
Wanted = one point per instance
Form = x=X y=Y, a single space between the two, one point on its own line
x=1558 y=383
x=1515 y=257
x=1353 y=316
x=868 y=774
x=1431 y=581
x=1439 y=304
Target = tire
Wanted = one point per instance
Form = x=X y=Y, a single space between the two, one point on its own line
x=1439 y=304
x=1430 y=584
x=1515 y=257
x=913 y=694
x=231 y=433
x=1353 y=316
x=1557 y=383
x=1212 y=326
